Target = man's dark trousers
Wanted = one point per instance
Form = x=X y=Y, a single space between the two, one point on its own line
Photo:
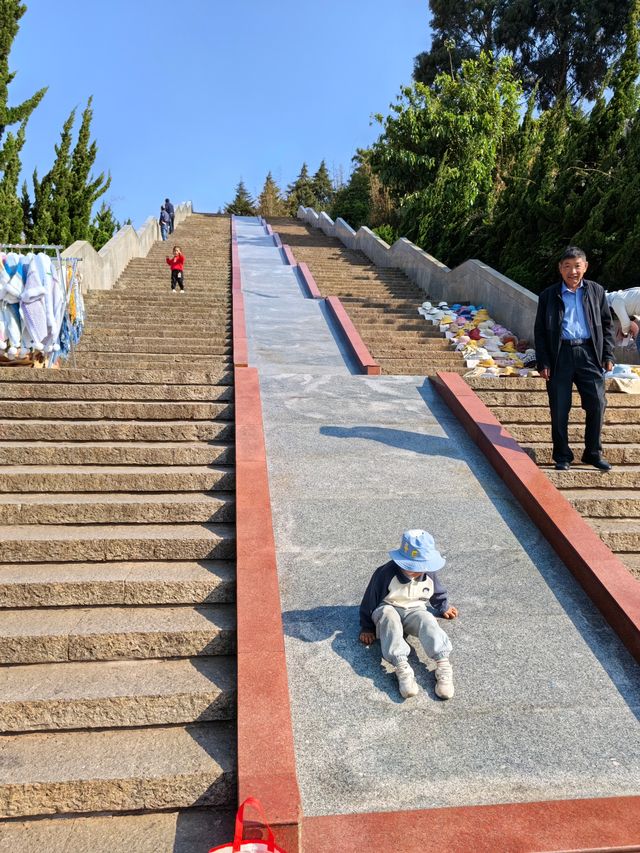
x=576 y=364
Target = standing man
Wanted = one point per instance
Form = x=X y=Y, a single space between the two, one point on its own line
x=574 y=343
x=172 y=213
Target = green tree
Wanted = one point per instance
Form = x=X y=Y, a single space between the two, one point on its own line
x=84 y=189
x=10 y=13
x=27 y=211
x=242 y=204
x=103 y=226
x=300 y=192
x=322 y=187
x=270 y=201
x=352 y=202
x=51 y=217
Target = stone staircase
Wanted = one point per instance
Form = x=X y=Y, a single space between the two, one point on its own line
x=117 y=577
x=381 y=302
x=383 y=306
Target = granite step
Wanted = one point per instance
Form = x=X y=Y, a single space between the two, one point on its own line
x=116 y=694
x=118 y=770
x=115 y=478
x=134 y=344
x=150 y=363
x=584 y=477
x=115 y=453
x=618 y=534
x=115 y=633
x=119 y=508
x=541 y=434
x=535 y=415
x=216 y=375
x=616 y=454
x=103 y=430
x=115 y=410
x=28 y=585
x=60 y=543
x=528 y=398
x=129 y=392
x=605 y=503
x=176 y=831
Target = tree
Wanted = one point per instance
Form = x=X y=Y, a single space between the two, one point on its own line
x=103 y=226
x=84 y=189
x=300 y=192
x=242 y=204
x=10 y=13
x=353 y=201
x=322 y=187
x=270 y=201
x=51 y=218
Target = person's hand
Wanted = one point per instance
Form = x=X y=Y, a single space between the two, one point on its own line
x=634 y=329
x=451 y=613
x=608 y=366
x=367 y=637
x=545 y=373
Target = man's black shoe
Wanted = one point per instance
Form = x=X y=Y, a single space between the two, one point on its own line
x=563 y=466
x=599 y=463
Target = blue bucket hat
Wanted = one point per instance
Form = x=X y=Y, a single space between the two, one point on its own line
x=418 y=552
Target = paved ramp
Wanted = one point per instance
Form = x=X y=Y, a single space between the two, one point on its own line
x=547 y=698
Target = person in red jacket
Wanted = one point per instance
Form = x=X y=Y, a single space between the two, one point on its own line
x=177 y=267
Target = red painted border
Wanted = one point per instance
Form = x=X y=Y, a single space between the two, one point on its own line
x=267 y=228
x=277 y=242
x=266 y=757
x=611 y=823
x=238 y=324
x=361 y=353
x=309 y=281
x=603 y=576
x=289 y=256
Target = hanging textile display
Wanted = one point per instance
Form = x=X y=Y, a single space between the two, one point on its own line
x=41 y=307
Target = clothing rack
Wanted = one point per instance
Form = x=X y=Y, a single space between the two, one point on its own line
x=29 y=247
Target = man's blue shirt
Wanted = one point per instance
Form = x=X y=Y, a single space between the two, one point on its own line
x=574 y=322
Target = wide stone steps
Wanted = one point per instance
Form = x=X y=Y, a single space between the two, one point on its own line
x=28 y=585
x=118 y=508
x=125 y=430
x=115 y=633
x=215 y=375
x=541 y=434
x=131 y=392
x=621 y=414
x=137 y=361
x=115 y=478
x=605 y=503
x=170 y=346
x=58 y=543
x=116 y=694
x=617 y=454
x=116 y=410
x=117 y=770
x=114 y=453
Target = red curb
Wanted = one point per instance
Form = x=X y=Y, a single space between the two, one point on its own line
x=362 y=355
x=611 y=823
x=309 y=281
x=277 y=242
x=238 y=324
x=268 y=229
x=266 y=757
x=604 y=577
x=289 y=256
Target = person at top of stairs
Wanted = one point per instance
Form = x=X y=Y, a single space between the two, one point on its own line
x=176 y=262
x=395 y=604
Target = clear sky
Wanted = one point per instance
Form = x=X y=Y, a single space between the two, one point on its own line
x=190 y=96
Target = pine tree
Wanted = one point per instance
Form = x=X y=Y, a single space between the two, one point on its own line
x=300 y=192
x=84 y=189
x=270 y=201
x=27 y=212
x=10 y=13
x=242 y=204
x=353 y=201
x=322 y=187
x=103 y=226
x=51 y=218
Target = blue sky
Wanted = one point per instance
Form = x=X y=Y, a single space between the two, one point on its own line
x=190 y=96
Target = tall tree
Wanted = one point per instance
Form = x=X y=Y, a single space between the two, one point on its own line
x=10 y=13
x=300 y=192
x=270 y=201
x=242 y=204
x=103 y=226
x=322 y=187
x=84 y=189
x=352 y=202
x=51 y=218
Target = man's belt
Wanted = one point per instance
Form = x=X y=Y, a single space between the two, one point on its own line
x=576 y=342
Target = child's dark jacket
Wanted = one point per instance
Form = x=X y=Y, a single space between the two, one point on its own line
x=389 y=575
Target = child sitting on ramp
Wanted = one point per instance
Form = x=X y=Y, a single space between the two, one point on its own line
x=395 y=604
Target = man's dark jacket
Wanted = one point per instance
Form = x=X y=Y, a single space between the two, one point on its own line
x=548 y=327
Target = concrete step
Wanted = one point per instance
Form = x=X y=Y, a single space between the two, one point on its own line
x=115 y=478
x=541 y=433
x=102 y=430
x=618 y=534
x=177 y=831
x=119 y=508
x=116 y=694
x=117 y=771
x=134 y=393
x=151 y=363
x=605 y=503
x=632 y=562
x=61 y=543
x=115 y=633
x=28 y=585
x=114 y=377
x=528 y=398
x=115 y=453
x=584 y=477
x=616 y=454
x=140 y=345
x=116 y=410
x=537 y=415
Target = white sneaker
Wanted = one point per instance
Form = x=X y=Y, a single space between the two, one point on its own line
x=444 y=679
x=406 y=680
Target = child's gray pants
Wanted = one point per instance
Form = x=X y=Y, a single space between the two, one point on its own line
x=392 y=623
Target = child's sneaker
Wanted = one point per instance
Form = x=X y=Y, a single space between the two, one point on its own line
x=406 y=680
x=444 y=679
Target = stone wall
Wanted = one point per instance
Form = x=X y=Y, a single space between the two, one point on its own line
x=100 y=270
x=512 y=305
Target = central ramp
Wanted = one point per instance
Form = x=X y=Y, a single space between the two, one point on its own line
x=546 y=697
